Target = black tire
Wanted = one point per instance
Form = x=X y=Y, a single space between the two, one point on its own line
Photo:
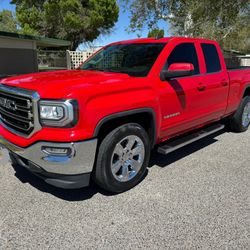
x=103 y=175
x=236 y=121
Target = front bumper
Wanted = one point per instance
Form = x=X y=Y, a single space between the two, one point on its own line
x=69 y=170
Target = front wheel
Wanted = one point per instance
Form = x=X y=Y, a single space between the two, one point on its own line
x=123 y=158
x=241 y=119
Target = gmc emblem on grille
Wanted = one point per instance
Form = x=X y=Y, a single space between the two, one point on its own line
x=8 y=104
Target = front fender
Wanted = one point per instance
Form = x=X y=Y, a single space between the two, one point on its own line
x=101 y=108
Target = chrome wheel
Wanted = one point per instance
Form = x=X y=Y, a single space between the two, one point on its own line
x=246 y=115
x=127 y=158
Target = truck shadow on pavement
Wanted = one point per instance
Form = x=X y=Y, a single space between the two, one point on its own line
x=86 y=193
x=70 y=195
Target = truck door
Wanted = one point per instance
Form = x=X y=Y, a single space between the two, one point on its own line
x=190 y=101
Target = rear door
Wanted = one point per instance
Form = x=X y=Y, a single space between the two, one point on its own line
x=215 y=81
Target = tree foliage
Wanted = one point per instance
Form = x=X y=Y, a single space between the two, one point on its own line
x=158 y=33
x=8 y=21
x=227 y=21
x=74 y=20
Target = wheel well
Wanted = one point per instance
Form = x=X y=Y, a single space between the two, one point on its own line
x=145 y=119
x=247 y=92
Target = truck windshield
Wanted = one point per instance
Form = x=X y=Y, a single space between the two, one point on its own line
x=132 y=59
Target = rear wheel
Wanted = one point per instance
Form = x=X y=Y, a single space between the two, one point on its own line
x=240 y=121
x=123 y=158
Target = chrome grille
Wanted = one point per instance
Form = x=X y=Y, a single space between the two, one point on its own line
x=17 y=108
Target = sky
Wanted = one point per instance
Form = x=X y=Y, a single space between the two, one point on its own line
x=4 y=4
x=119 y=31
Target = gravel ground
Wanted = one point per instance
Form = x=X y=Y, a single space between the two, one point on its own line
x=195 y=198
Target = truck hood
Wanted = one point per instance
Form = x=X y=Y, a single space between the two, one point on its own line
x=63 y=80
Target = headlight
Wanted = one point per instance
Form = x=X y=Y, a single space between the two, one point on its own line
x=58 y=113
x=51 y=112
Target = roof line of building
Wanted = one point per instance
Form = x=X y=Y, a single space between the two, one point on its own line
x=45 y=40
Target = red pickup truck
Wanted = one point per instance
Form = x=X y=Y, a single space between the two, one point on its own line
x=102 y=120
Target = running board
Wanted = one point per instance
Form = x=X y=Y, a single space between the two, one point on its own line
x=183 y=141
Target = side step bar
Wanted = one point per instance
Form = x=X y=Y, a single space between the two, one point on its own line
x=183 y=141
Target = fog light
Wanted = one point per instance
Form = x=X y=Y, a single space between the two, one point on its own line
x=56 y=151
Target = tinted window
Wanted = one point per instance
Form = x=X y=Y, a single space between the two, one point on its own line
x=212 y=59
x=184 y=53
x=132 y=59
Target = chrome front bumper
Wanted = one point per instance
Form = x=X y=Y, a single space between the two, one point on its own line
x=79 y=160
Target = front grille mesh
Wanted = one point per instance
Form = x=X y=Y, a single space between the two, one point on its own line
x=19 y=117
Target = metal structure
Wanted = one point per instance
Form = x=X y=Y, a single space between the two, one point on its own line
x=76 y=58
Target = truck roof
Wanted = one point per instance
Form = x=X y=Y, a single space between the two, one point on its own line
x=161 y=40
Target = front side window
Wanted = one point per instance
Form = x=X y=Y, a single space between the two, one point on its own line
x=132 y=59
x=184 y=53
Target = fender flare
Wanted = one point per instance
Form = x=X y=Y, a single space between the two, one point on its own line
x=128 y=113
x=246 y=87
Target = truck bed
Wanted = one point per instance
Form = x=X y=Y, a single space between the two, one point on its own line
x=238 y=67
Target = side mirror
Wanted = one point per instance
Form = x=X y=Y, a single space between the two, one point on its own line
x=177 y=70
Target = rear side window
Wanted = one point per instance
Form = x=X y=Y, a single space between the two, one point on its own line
x=184 y=53
x=212 y=59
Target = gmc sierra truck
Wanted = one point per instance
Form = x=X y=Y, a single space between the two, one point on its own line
x=101 y=121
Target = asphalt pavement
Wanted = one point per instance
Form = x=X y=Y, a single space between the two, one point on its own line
x=195 y=198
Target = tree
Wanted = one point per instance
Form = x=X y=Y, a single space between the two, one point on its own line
x=158 y=33
x=7 y=21
x=74 y=20
x=223 y=20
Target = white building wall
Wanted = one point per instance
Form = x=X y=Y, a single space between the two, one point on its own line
x=245 y=61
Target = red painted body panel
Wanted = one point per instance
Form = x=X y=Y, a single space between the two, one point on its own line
x=102 y=94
